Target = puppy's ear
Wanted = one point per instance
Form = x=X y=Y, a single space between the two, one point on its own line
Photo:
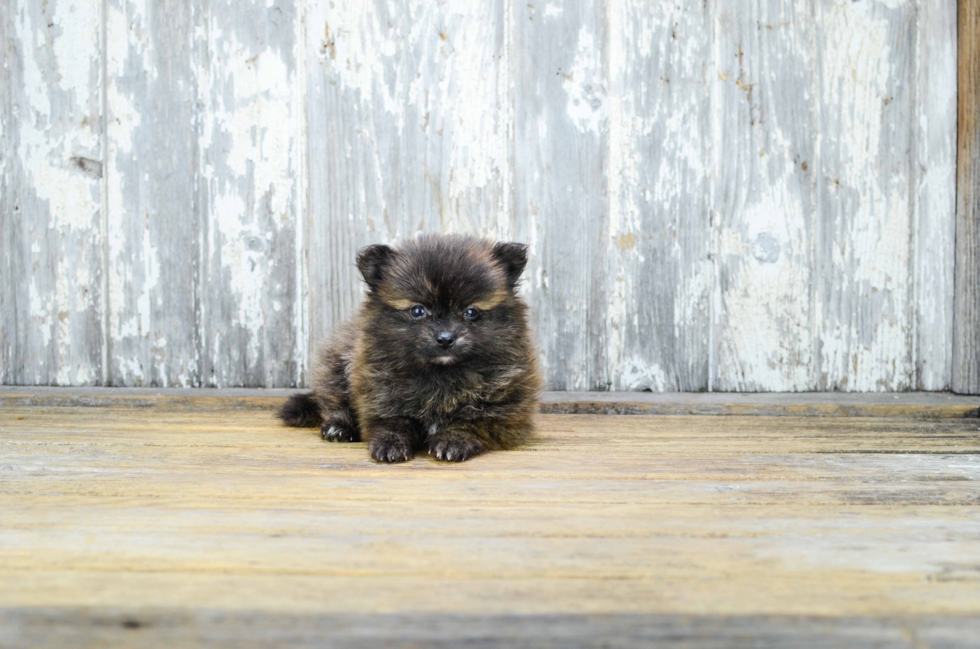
x=513 y=258
x=372 y=262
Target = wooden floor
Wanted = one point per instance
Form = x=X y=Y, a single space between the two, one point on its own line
x=168 y=527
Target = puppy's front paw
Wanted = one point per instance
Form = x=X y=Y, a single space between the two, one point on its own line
x=390 y=449
x=337 y=432
x=455 y=449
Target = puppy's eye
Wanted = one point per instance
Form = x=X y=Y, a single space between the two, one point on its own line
x=471 y=313
x=418 y=311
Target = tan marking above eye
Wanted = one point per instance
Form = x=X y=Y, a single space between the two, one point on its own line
x=400 y=305
x=490 y=301
x=395 y=299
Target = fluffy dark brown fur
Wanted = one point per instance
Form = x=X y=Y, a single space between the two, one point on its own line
x=438 y=358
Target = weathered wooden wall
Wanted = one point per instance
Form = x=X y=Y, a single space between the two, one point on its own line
x=966 y=324
x=717 y=195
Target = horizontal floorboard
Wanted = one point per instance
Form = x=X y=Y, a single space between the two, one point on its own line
x=219 y=628
x=794 y=404
x=169 y=526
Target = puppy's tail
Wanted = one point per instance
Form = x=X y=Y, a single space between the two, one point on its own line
x=302 y=411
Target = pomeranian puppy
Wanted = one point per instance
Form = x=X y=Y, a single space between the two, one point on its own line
x=438 y=358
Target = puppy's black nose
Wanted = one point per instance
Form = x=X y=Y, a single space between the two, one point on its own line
x=445 y=339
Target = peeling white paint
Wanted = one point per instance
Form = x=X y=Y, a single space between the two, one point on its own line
x=869 y=200
x=437 y=122
x=358 y=61
x=584 y=85
x=767 y=328
x=244 y=268
x=636 y=375
x=43 y=151
x=934 y=167
x=56 y=200
x=126 y=120
x=623 y=226
x=474 y=84
x=251 y=136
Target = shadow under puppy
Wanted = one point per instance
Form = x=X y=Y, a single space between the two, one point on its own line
x=438 y=358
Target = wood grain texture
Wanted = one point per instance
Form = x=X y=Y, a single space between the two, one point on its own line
x=52 y=220
x=966 y=337
x=226 y=513
x=764 y=130
x=155 y=216
x=924 y=405
x=862 y=304
x=6 y=117
x=80 y=627
x=717 y=196
x=561 y=191
x=204 y=194
x=659 y=271
x=252 y=317
x=933 y=172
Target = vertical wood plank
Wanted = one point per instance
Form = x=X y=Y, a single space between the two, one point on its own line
x=154 y=216
x=251 y=142
x=933 y=204
x=966 y=337
x=52 y=309
x=779 y=201
x=763 y=197
x=6 y=230
x=862 y=314
x=659 y=241
x=409 y=118
x=560 y=184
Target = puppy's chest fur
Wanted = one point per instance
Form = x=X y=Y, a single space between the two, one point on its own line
x=432 y=398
